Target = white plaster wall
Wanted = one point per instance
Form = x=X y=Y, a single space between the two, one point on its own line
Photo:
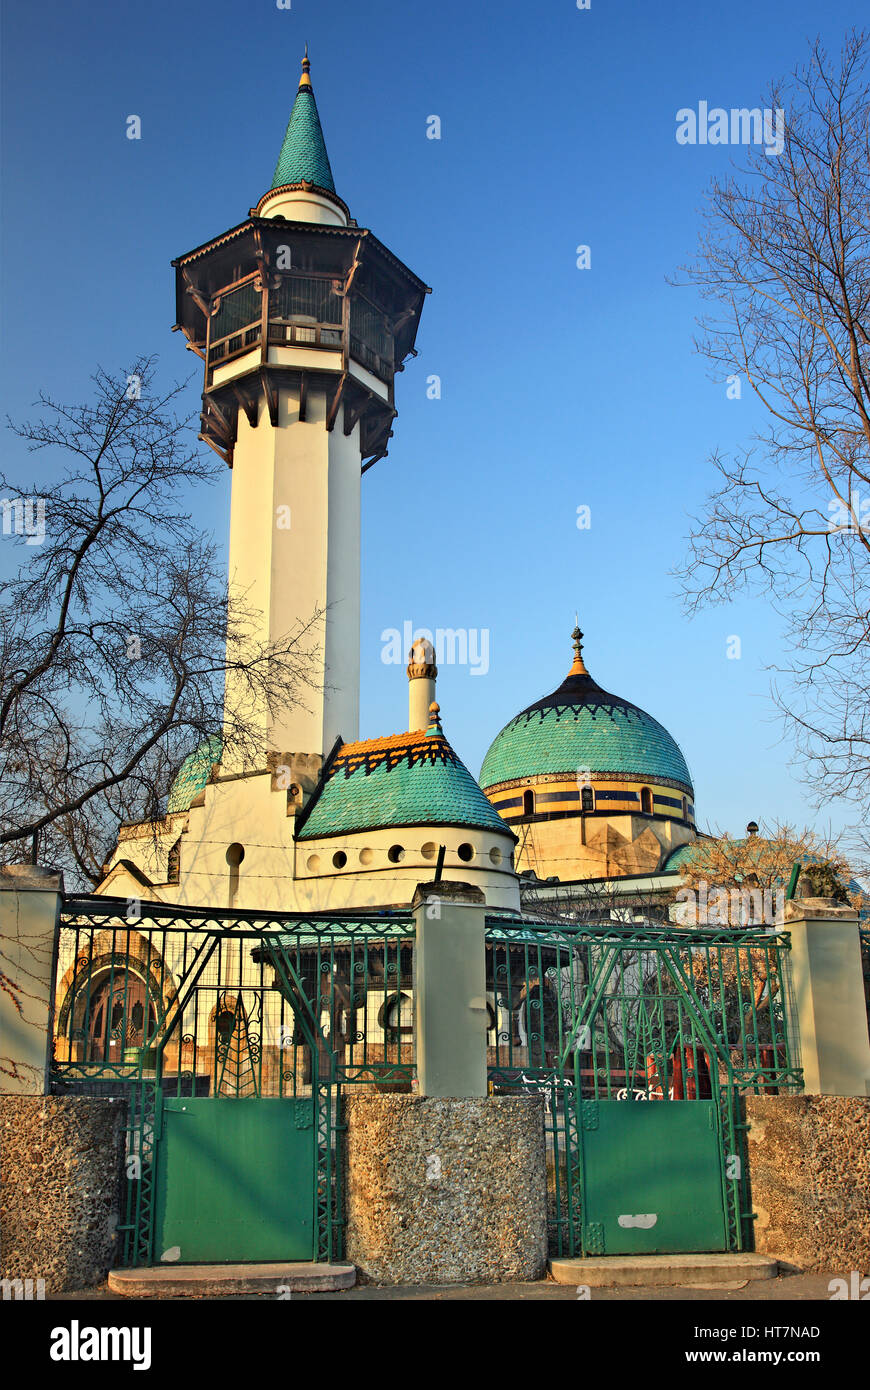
x=244 y=811
x=289 y=574
x=275 y=873
x=369 y=878
x=317 y=359
x=301 y=206
x=369 y=379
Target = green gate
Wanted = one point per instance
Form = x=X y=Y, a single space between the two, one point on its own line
x=641 y=1041
x=651 y=1177
x=235 y=1180
x=231 y=1040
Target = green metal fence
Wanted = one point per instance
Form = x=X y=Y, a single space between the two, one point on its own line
x=637 y=1013
x=177 y=1003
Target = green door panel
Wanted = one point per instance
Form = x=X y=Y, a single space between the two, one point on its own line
x=652 y=1177
x=235 y=1180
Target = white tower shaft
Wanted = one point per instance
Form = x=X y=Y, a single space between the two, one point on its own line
x=295 y=558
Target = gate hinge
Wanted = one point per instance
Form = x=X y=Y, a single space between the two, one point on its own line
x=593 y=1238
x=589 y=1114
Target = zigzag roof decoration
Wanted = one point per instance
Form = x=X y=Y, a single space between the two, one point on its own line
x=408 y=779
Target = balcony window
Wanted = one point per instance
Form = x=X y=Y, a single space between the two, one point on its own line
x=300 y=299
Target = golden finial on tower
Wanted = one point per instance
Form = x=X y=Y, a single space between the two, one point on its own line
x=305 y=79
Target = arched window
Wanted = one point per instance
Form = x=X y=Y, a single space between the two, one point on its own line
x=646 y=801
x=397 y=1016
x=587 y=799
x=117 y=1011
x=528 y=803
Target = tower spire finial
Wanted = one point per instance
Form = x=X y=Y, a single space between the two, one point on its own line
x=303 y=158
x=578 y=668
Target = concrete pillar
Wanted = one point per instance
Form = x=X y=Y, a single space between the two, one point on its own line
x=829 y=997
x=450 y=989
x=30 y=899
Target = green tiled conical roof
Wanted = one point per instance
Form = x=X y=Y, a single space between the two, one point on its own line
x=404 y=780
x=303 y=156
x=193 y=774
x=582 y=726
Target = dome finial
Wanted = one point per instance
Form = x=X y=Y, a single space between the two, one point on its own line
x=305 y=80
x=578 y=669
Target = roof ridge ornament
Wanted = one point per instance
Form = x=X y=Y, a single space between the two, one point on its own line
x=305 y=79
x=578 y=668
x=434 y=730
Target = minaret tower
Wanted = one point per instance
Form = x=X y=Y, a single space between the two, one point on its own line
x=302 y=319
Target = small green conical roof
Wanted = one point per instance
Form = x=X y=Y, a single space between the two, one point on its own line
x=303 y=154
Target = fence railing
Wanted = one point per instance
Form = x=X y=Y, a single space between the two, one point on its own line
x=204 y=996
x=624 y=1006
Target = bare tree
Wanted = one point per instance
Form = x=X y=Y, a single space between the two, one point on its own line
x=738 y=883
x=116 y=635
x=741 y=882
x=785 y=259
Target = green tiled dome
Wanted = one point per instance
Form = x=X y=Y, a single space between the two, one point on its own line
x=392 y=782
x=685 y=854
x=193 y=774
x=582 y=726
x=303 y=154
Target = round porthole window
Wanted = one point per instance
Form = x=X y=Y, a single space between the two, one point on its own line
x=312 y=863
x=339 y=859
x=366 y=856
x=396 y=854
x=466 y=852
x=495 y=856
x=429 y=850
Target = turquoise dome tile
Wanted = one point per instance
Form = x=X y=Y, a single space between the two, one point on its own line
x=401 y=789
x=685 y=854
x=193 y=774
x=582 y=726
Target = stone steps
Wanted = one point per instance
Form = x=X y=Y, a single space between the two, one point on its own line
x=608 y=1270
x=213 y=1281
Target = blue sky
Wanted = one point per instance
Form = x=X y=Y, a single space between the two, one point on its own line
x=561 y=387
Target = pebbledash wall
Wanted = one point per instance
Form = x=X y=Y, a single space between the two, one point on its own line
x=809 y=1173
x=443 y=1191
x=61 y=1159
